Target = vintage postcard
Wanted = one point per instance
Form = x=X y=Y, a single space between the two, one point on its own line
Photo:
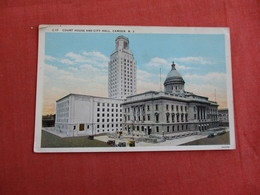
x=133 y=88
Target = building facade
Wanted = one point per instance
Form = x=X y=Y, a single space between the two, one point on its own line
x=223 y=117
x=121 y=71
x=87 y=115
x=167 y=112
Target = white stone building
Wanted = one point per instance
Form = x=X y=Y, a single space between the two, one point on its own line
x=167 y=112
x=121 y=71
x=87 y=115
x=223 y=117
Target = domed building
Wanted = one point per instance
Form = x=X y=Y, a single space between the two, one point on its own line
x=174 y=81
x=172 y=112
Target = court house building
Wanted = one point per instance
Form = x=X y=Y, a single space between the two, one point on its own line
x=167 y=112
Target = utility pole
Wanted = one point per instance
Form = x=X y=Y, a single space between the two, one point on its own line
x=160 y=81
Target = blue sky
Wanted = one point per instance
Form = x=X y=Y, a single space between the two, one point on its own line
x=77 y=63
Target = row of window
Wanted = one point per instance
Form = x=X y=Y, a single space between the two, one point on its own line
x=108 y=104
x=148 y=107
x=108 y=130
x=173 y=117
x=108 y=120
x=108 y=109
x=108 y=114
x=109 y=125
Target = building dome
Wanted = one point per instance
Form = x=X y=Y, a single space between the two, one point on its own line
x=174 y=81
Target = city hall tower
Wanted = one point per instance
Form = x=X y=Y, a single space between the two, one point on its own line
x=121 y=70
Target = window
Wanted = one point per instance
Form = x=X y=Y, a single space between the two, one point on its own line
x=148 y=107
x=167 y=107
x=168 y=129
x=97 y=114
x=157 y=117
x=156 y=107
x=172 y=107
x=97 y=126
x=167 y=118
x=98 y=120
x=97 y=109
x=81 y=127
x=172 y=128
x=148 y=117
x=157 y=129
x=98 y=104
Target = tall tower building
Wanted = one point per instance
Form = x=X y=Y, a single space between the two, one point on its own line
x=121 y=71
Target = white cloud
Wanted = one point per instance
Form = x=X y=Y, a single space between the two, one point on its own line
x=76 y=57
x=50 y=58
x=89 y=67
x=160 y=62
x=96 y=59
x=73 y=69
x=212 y=77
x=97 y=55
x=181 y=67
x=143 y=75
x=157 y=62
x=67 y=61
x=195 y=60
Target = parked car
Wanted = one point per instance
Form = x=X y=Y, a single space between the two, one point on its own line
x=211 y=135
x=222 y=132
x=131 y=143
x=121 y=144
x=111 y=142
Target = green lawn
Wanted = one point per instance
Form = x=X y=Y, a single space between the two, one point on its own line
x=217 y=140
x=52 y=141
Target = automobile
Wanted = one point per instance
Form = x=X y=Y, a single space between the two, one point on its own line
x=211 y=135
x=131 y=143
x=111 y=142
x=91 y=137
x=222 y=132
x=121 y=144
